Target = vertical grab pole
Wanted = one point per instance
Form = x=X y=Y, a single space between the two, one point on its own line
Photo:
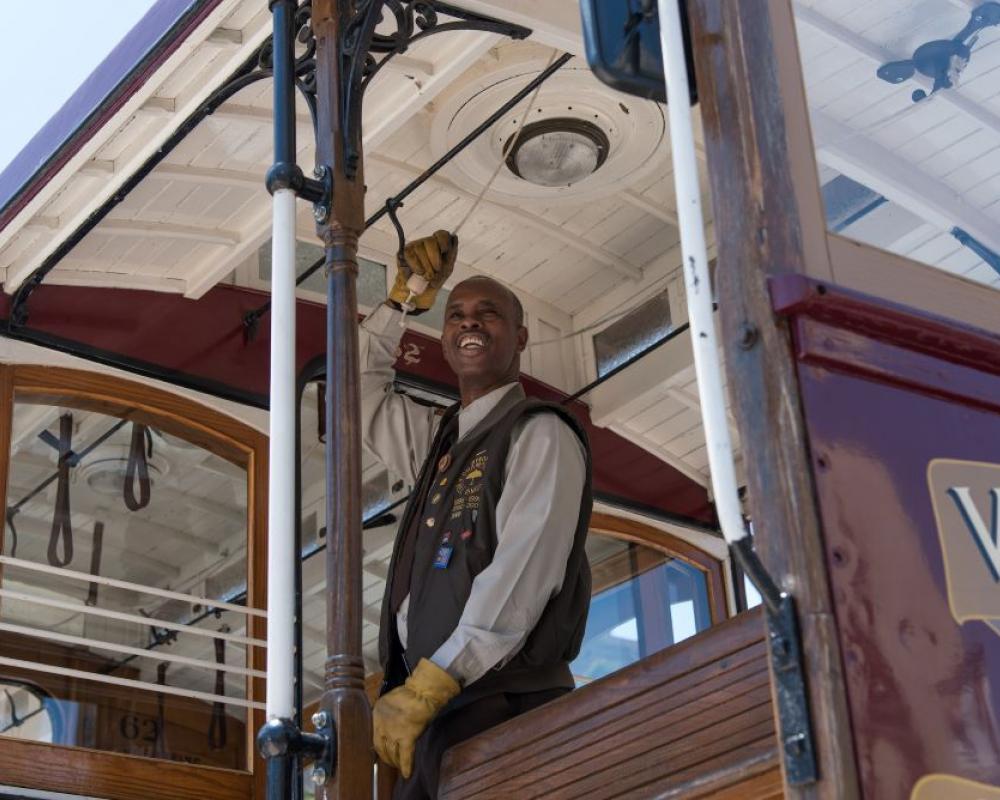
x=281 y=472
x=280 y=701
x=342 y=37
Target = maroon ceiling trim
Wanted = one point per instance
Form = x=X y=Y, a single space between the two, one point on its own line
x=200 y=344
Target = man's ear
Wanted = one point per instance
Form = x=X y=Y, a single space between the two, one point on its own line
x=522 y=338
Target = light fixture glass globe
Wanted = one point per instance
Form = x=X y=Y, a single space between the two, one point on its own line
x=558 y=152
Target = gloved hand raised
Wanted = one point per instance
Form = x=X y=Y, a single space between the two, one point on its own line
x=431 y=258
x=400 y=716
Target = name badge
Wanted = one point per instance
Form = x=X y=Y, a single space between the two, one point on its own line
x=443 y=556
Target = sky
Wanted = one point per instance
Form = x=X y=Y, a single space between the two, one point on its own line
x=45 y=54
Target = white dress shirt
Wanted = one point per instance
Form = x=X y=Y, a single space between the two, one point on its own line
x=536 y=515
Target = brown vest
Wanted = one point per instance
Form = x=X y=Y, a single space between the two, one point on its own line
x=453 y=515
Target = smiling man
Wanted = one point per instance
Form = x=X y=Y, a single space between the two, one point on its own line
x=488 y=589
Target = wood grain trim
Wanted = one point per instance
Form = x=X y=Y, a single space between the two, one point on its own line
x=641 y=533
x=114 y=775
x=645 y=729
x=216 y=432
x=75 y=770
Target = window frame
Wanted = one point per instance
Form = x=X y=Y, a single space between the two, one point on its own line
x=119 y=776
x=630 y=530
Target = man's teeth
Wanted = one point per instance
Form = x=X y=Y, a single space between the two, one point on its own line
x=471 y=342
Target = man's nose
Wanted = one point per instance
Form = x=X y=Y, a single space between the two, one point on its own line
x=469 y=323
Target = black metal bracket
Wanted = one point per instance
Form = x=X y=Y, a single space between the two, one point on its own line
x=785 y=647
x=281 y=743
x=943 y=59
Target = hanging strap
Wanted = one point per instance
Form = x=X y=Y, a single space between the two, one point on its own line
x=95 y=562
x=11 y=513
x=140 y=450
x=160 y=746
x=62 y=525
x=217 y=727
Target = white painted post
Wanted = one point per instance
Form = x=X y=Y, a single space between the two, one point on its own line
x=281 y=473
x=696 y=277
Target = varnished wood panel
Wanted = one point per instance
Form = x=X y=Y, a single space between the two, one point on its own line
x=696 y=717
x=95 y=774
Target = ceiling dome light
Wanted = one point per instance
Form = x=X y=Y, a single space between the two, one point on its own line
x=558 y=152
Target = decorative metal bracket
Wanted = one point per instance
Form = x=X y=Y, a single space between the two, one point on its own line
x=414 y=20
x=785 y=647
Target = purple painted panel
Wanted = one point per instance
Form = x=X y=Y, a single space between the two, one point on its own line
x=886 y=394
x=116 y=78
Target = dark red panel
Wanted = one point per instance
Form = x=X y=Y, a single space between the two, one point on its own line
x=201 y=344
x=886 y=392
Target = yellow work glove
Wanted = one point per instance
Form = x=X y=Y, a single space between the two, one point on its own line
x=400 y=716
x=432 y=259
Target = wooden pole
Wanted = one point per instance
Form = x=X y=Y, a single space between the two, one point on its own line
x=768 y=212
x=344 y=698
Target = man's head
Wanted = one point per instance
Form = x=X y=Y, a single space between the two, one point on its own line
x=483 y=336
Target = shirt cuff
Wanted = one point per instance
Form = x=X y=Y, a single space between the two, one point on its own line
x=384 y=322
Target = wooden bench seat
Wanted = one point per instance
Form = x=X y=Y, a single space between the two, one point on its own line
x=694 y=720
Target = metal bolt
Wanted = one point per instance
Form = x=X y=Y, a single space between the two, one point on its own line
x=318 y=776
x=320 y=720
x=318 y=171
x=320 y=212
x=795 y=745
x=748 y=335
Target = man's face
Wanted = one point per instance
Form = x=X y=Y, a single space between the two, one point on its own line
x=482 y=340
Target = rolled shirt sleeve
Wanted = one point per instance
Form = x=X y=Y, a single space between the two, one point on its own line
x=536 y=521
x=395 y=429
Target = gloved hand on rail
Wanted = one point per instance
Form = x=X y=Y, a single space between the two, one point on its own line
x=432 y=259
x=400 y=716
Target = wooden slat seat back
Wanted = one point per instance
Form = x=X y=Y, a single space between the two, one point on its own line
x=694 y=720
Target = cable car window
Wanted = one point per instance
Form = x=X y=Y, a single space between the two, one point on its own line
x=643 y=601
x=123 y=584
x=897 y=101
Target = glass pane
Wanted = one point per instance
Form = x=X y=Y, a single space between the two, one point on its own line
x=109 y=593
x=906 y=123
x=371 y=275
x=643 y=602
x=381 y=496
x=633 y=333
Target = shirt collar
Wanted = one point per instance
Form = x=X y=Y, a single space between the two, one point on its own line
x=476 y=411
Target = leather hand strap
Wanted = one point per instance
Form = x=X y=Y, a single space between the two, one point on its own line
x=138 y=464
x=217 y=727
x=62 y=525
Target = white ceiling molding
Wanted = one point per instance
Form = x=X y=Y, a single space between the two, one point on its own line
x=882 y=171
x=208 y=175
x=167 y=230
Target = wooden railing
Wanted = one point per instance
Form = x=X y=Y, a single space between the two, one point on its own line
x=694 y=720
